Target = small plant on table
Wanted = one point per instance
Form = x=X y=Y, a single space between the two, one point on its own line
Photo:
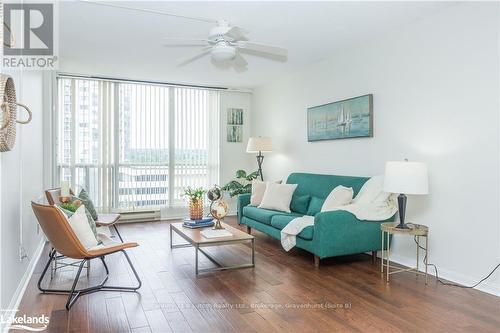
x=195 y=197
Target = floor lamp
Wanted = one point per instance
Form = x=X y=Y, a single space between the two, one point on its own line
x=259 y=145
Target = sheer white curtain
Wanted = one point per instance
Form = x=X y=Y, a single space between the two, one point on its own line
x=136 y=146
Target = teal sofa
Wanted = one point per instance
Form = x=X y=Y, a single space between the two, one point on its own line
x=334 y=233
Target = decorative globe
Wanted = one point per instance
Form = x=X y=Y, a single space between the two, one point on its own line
x=219 y=210
x=214 y=193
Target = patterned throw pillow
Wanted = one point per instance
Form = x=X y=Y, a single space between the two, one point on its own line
x=84 y=197
x=90 y=220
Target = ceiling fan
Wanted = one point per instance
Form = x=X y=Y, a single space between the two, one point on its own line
x=224 y=43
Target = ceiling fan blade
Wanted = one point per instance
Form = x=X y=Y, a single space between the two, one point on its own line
x=193 y=57
x=236 y=33
x=151 y=11
x=239 y=61
x=278 y=51
x=240 y=64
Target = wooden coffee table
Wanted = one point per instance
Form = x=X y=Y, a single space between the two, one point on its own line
x=195 y=239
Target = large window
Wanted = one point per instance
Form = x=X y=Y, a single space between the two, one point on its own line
x=135 y=145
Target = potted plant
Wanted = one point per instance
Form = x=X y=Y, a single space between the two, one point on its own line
x=242 y=183
x=195 y=198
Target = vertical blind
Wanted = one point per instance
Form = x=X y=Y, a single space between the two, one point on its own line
x=135 y=145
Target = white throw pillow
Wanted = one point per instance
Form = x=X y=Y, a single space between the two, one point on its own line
x=278 y=197
x=80 y=225
x=372 y=191
x=258 y=189
x=339 y=196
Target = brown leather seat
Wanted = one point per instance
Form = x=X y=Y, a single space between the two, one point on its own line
x=64 y=241
x=103 y=220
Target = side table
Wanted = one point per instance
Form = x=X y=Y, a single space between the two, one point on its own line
x=416 y=230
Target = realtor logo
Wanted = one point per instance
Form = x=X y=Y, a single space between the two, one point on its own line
x=9 y=321
x=29 y=36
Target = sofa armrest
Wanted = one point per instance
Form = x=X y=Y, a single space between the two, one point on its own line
x=243 y=200
x=341 y=233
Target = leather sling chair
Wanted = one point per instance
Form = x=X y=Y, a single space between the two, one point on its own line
x=61 y=236
x=103 y=220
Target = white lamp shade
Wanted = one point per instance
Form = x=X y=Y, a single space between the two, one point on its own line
x=406 y=177
x=259 y=143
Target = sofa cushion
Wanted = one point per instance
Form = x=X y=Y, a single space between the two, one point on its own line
x=315 y=206
x=321 y=185
x=339 y=196
x=300 y=203
x=280 y=221
x=278 y=197
x=263 y=215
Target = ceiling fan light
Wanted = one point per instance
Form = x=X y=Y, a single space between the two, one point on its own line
x=223 y=53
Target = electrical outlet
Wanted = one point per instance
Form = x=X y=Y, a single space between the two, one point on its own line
x=22 y=253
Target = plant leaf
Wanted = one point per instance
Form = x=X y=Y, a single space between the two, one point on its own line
x=248 y=188
x=233 y=184
x=253 y=175
x=241 y=174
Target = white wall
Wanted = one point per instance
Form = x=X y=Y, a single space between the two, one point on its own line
x=232 y=154
x=436 y=100
x=21 y=180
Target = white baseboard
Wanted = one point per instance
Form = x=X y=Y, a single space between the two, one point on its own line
x=487 y=286
x=23 y=284
x=180 y=217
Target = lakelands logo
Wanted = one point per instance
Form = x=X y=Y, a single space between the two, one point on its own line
x=29 y=36
x=24 y=322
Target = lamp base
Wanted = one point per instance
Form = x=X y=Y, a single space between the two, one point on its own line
x=260 y=159
x=402 y=212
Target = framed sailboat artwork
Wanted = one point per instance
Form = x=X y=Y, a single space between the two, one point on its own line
x=349 y=118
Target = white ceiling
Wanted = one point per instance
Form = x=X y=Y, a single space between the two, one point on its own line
x=100 y=40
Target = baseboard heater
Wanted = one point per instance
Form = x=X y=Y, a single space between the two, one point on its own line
x=140 y=216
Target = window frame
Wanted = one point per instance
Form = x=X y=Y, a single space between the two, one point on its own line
x=57 y=167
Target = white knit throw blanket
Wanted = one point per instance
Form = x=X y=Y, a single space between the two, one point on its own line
x=291 y=230
x=367 y=212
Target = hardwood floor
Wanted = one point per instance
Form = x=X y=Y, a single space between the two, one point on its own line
x=284 y=292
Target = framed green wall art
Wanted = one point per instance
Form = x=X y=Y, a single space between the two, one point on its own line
x=349 y=118
x=234 y=125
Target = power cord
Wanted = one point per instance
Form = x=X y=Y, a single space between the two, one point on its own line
x=448 y=283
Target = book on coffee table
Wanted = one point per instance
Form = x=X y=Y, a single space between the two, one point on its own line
x=198 y=225
x=210 y=233
x=200 y=221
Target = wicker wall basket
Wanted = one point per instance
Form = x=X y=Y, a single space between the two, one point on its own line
x=8 y=113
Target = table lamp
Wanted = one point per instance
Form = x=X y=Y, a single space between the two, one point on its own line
x=259 y=145
x=405 y=177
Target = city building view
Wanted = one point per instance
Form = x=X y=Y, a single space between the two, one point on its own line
x=137 y=172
